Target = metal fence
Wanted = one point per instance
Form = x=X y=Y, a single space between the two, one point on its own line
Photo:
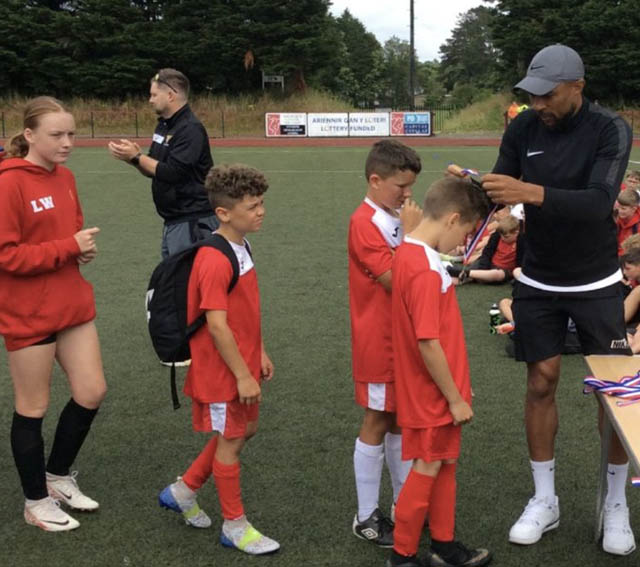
x=220 y=123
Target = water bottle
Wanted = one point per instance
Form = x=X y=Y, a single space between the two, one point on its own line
x=494 y=318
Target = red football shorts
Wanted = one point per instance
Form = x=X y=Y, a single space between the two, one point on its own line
x=431 y=444
x=230 y=419
x=379 y=396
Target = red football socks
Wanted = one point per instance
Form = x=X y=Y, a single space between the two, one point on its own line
x=411 y=511
x=442 y=507
x=201 y=469
x=227 y=478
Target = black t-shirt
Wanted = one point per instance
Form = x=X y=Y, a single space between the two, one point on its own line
x=571 y=238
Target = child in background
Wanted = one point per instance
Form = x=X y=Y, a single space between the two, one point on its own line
x=628 y=219
x=375 y=230
x=500 y=256
x=228 y=360
x=432 y=376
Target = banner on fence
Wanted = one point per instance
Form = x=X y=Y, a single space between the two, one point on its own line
x=368 y=124
x=323 y=124
x=411 y=124
x=342 y=124
x=281 y=124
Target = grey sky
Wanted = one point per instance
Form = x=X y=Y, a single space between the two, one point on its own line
x=434 y=20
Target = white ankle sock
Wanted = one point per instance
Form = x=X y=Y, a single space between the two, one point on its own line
x=398 y=469
x=181 y=491
x=616 y=483
x=367 y=464
x=544 y=478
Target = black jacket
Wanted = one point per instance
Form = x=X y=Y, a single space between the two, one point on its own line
x=181 y=146
x=571 y=238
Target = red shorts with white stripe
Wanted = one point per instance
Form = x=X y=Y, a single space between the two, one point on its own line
x=230 y=419
x=431 y=444
x=380 y=396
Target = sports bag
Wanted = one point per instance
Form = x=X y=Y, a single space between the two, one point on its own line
x=166 y=303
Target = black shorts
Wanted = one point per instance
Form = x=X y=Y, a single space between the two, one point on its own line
x=47 y=341
x=541 y=319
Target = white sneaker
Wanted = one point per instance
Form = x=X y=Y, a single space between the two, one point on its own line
x=47 y=515
x=240 y=534
x=192 y=513
x=65 y=489
x=178 y=363
x=539 y=516
x=618 y=537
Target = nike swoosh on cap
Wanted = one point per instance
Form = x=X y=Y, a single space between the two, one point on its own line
x=536 y=153
x=534 y=67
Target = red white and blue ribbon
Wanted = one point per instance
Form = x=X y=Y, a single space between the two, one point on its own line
x=628 y=388
x=635 y=481
x=477 y=236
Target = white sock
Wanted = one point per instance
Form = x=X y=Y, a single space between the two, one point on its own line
x=616 y=484
x=181 y=492
x=544 y=478
x=234 y=529
x=398 y=469
x=367 y=464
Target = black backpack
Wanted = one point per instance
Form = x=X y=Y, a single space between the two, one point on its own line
x=167 y=303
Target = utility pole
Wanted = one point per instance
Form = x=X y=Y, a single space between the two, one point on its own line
x=412 y=62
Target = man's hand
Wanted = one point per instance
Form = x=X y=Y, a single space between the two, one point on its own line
x=124 y=150
x=249 y=390
x=410 y=215
x=507 y=190
x=266 y=366
x=461 y=412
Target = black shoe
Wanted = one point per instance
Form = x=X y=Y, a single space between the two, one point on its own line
x=455 y=554
x=376 y=529
x=397 y=560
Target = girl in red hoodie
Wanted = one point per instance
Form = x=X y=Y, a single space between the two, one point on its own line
x=47 y=310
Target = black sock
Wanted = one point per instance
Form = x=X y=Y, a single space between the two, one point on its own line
x=73 y=426
x=28 y=453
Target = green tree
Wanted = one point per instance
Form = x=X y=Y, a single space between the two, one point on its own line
x=361 y=61
x=469 y=56
x=395 y=73
x=606 y=34
x=428 y=75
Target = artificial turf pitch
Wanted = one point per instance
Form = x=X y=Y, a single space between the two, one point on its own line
x=297 y=474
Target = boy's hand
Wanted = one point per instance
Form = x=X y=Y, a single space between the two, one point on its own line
x=249 y=391
x=266 y=367
x=461 y=412
x=410 y=215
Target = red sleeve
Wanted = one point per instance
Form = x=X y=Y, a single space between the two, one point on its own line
x=19 y=257
x=214 y=276
x=423 y=303
x=79 y=215
x=369 y=247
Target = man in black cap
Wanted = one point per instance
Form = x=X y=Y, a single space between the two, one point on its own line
x=564 y=158
x=178 y=162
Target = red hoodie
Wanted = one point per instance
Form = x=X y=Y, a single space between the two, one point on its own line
x=627 y=227
x=41 y=288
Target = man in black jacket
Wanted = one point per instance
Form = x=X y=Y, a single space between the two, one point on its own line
x=564 y=158
x=178 y=162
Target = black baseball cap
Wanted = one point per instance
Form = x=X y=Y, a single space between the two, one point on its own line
x=549 y=67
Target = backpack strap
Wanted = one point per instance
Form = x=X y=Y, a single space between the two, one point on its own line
x=222 y=244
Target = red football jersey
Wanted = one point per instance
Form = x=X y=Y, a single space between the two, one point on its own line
x=505 y=255
x=209 y=379
x=373 y=234
x=425 y=307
